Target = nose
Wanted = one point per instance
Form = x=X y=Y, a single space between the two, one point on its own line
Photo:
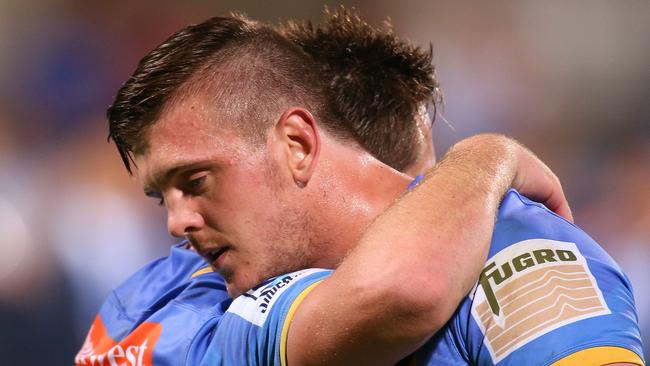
x=183 y=219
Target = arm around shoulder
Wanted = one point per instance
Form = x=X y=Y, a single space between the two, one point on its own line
x=415 y=263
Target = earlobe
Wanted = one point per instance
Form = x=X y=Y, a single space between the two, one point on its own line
x=298 y=132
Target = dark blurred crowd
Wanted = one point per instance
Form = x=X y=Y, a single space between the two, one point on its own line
x=570 y=80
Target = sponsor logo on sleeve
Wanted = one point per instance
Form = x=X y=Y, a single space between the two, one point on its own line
x=136 y=349
x=255 y=305
x=531 y=288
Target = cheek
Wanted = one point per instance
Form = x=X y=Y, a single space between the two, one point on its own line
x=243 y=211
x=251 y=191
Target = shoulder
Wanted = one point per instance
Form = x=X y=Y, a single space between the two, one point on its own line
x=257 y=304
x=548 y=285
x=162 y=281
x=167 y=309
x=252 y=330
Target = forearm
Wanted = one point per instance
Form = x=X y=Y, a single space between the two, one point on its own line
x=414 y=264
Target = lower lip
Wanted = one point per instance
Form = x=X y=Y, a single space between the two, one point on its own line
x=218 y=263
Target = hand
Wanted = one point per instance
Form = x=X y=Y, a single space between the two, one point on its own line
x=535 y=180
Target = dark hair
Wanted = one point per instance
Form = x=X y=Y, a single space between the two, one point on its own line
x=378 y=81
x=256 y=70
x=361 y=83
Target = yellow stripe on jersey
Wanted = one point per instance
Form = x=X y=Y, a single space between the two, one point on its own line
x=289 y=317
x=598 y=356
x=202 y=271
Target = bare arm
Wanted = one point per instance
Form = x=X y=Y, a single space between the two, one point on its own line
x=418 y=260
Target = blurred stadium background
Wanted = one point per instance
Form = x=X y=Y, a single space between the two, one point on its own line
x=569 y=79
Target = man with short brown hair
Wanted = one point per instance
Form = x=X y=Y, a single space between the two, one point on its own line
x=253 y=124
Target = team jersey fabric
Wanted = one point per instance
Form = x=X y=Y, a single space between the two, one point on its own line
x=164 y=314
x=548 y=295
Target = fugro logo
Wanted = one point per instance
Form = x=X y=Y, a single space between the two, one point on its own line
x=492 y=274
x=530 y=288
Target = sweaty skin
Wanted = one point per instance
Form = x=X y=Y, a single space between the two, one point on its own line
x=212 y=182
x=374 y=272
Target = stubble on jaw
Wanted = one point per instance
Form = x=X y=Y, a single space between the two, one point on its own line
x=286 y=242
x=292 y=240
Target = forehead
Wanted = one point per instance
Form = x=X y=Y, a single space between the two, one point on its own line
x=187 y=131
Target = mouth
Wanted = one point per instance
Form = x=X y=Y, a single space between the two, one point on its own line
x=212 y=250
x=214 y=256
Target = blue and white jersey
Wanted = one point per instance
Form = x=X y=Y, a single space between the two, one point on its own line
x=164 y=314
x=548 y=295
x=253 y=331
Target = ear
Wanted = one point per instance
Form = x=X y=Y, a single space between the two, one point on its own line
x=297 y=132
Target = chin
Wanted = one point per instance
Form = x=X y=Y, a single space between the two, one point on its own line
x=233 y=291
x=237 y=286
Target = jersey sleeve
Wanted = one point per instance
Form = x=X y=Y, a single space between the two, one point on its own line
x=548 y=295
x=253 y=331
x=164 y=314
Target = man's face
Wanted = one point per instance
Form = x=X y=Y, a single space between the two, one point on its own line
x=225 y=195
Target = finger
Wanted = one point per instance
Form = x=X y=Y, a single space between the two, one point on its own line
x=557 y=203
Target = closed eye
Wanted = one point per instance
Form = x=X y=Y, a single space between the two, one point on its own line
x=156 y=195
x=195 y=184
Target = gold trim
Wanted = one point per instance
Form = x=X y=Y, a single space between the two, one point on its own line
x=598 y=356
x=202 y=271
x=287 y=321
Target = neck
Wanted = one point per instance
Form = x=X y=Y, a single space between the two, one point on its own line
x=352 y=189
